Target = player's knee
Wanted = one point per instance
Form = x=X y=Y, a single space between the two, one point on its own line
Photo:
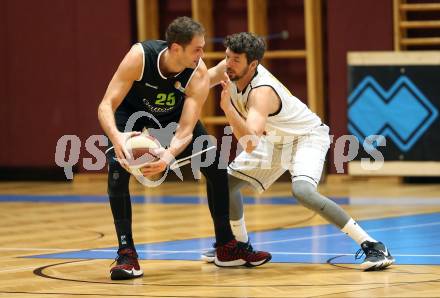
x=235 y=184
x=118 y=179
x=117 y=185
x=306 y=194
x=302 y=189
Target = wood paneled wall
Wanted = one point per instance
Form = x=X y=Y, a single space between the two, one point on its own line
x=56 y=59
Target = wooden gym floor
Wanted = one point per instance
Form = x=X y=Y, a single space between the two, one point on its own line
x=57 y=240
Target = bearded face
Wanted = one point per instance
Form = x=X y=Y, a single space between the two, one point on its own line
x=236 y=65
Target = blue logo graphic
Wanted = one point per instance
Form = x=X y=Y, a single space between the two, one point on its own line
x=402 y=113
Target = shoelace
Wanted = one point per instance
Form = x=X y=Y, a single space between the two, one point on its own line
x=359 y=254
x=370 y=252
x=122 y=258
x=114 y=261
x=246 y=246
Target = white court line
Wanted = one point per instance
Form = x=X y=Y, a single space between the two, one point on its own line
x=340 y=254
x=435 y=256
x=169 y=251
x=159 y=252
x=97 y=250
x=393 y=201
x=282 y=253
x=342 y=234
x=265 y=242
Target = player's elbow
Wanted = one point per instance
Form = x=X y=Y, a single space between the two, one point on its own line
x=100 y=110
x=102 y=107
x=214 y=81
x=213 y=84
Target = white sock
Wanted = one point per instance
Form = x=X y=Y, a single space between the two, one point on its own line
x=355 y=232
x=239 y=230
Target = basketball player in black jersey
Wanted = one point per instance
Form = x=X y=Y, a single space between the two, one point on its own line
x=169 y=80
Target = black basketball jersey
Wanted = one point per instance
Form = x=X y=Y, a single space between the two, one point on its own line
x=161 y=96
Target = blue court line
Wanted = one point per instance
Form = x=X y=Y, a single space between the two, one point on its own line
x=286 y=200
x=413 y=239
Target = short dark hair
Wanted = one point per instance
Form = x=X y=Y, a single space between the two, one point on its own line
x=182 y=30
x=245 y=42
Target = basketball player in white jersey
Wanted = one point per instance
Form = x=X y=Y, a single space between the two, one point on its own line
x=278 y=132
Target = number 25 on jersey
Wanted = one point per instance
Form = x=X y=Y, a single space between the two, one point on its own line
x=163 y=99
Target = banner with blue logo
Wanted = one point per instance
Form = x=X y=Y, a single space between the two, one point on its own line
x=399 y=102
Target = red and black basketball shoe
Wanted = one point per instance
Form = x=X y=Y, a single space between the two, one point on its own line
x=236 y=253
x=127 y=265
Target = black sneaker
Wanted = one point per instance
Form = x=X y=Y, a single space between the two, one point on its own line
x=377 y=256
x=236 y=253
x=127 y=265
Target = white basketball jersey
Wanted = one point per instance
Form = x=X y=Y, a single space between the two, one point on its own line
x=293 y=119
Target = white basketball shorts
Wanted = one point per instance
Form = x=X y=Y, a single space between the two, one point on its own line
x=304 y=157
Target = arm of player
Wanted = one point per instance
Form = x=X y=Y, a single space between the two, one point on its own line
x=260 y=103
x=128 y=71
x=196 y=94
x=216 y=73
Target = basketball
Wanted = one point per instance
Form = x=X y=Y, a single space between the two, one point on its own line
x=141 y=149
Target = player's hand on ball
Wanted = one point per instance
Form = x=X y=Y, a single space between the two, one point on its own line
x=121 y=152
x=158 y=166
x=225 y=102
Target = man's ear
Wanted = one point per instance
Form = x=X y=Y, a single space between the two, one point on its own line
x=254 y=64
x=175 y=47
